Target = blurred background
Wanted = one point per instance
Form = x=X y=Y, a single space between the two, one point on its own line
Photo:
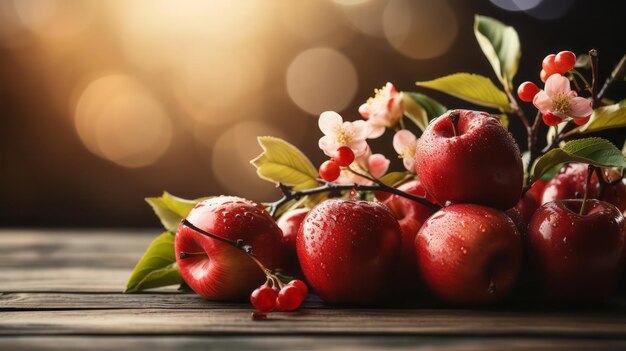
x=103 y=103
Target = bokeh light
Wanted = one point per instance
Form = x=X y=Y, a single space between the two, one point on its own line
x=208 y=83
x=315 y=22
x=365 y=16
x=230 y=160
x=118 y=119
x=321 y=79
x=55 y=18
x=157 y=34
x=420 y=29
x=516 y=5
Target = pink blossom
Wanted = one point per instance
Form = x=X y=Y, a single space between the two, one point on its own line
x=559 y=99
x=384 y=110
x=338 y=133
x=404 y=143
x=375 y=165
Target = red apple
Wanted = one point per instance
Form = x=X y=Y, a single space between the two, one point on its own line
x=348 y=250
x=469 y=254
x=410 y=215
x=289 y=223
x=536 y=190
x=569 y=183
x=216 y=270
x=615 y=194
x=526 y=206
x=577 y=257
x=475 y=160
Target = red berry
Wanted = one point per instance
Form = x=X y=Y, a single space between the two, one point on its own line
x=344 y=156
x=582 y=121
x=550 y=119
x=548 y=64
x=544 y=75
x=301 y=286
x=527 y=91
x=330 y=170
x=564 y=61
x=263 y=298
x=289 y=298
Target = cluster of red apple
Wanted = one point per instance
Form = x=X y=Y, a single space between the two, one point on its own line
x=469 y=252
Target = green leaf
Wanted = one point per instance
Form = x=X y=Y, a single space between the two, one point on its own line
x=606 y=117
x=396 y=178
x=471 y=87
x=420 y=108
x=596 y=151
x=500 y=44
x=157 y=267
x=283 y=163
x=171 y=209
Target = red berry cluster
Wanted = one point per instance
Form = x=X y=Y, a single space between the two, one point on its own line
x=557 y=63
x=268 y=297
x=331 y=169
x=552 y=64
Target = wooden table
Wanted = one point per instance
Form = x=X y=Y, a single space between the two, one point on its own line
x=61 y=290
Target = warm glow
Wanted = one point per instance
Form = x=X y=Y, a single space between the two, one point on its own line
x=321 y=79
x=230 y=160
x=55 y=18
x=118 y=119
x=420 y=29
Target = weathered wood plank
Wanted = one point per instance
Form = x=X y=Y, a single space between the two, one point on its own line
x=94 y=248
x=66 y=279
x=306 y=343
x=65 y=301
x=421 y=322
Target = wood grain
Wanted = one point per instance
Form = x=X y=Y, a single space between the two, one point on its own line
x=61 y=290
x=313 y=321
x=303 y=343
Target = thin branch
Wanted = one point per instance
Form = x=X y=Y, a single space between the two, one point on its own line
x=617 y=74
x=593 y=54
x=332 y=187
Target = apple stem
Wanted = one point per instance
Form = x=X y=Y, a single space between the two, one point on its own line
x=454 y=118
x=185 y=255
x=590 y=170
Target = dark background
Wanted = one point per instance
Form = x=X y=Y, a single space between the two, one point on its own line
x=51 y=51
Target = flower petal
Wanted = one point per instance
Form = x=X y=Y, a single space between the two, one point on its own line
x=580 y=107
x=376 y=131
x=378 y=165
x=555 y=84
x=409 y=164
x=328 y=121
x=328 y=145
x=542 y=102
x=364 y=110
x=361 y=129
x=359 y=147
x=403 y=139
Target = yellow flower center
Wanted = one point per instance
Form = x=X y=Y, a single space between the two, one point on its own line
x=344 y=136
x=408 y=151
x=560 y=103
